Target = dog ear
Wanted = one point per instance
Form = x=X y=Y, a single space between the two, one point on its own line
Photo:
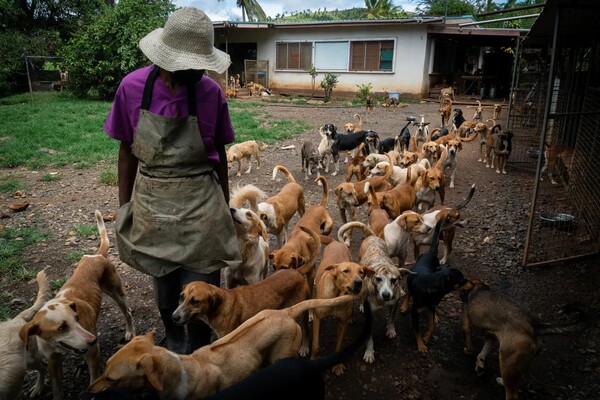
x=297 y=262
x=29 y=329
x=337 y=190
x=155 y=377
x=331 y=267
x=272 y=255
x=368 y=271
x=404 y=271
x=215 y=300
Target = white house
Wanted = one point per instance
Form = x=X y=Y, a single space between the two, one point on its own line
x=408 y=55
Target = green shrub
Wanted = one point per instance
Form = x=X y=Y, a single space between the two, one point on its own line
x=364 y=91
x=328 y=83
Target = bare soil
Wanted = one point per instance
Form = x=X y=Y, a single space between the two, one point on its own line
x=490 y=247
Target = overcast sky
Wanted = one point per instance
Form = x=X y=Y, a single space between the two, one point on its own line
x=228 y=11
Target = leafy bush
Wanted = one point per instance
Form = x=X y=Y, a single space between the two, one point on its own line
x=328 y=83
x=364 y=91
x=103 y=52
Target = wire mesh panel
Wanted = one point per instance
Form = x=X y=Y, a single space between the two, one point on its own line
x=44 y=73
x=555 y=113
x=256 y=71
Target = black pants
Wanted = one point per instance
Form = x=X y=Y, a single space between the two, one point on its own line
x=167 y=289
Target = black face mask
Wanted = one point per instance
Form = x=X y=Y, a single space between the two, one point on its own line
x=187 y=77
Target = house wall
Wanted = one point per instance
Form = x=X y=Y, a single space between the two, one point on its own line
x=411 y=57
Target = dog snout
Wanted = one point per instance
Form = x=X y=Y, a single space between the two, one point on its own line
x=386 y=296
x=356 y=285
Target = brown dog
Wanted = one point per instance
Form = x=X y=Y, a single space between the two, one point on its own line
x=245 y=151
x=552 y=154
x=262 y=340
x=445 y=110
x=226 y=309
x=432 y=181
x=384 y=287
x=351 y=195
x=504 y=321
x=397 y=200
x=67 y=323
x=337 y=275
x=369 y=104
x=350 y=127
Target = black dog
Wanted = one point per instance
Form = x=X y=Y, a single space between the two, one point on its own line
x=293 y=378
x=346 y=142
x=376 y=145
x=443 y=131
x=458 y=118
x=428 y=287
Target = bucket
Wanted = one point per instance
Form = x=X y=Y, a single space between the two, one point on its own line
x=394 y=95
x=482 y=91
x=493 y=91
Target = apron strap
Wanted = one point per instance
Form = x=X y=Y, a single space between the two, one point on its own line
x=149 y=87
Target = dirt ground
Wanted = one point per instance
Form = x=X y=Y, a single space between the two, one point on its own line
x=490 y=247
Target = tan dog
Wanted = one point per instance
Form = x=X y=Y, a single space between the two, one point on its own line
x=408 y=158
x=231 y=93
x=245 y=151
x=397 y=200
x=432 y=181
x=432 y=151
x=67 y=323
x=355 y=165
x=12 y=350
x=350 y=127
x=256 y=89
x=378 y=217
x=276 y=211
x=466 y=129
x=351 y=195
x=488 y=141
x=445 y=110
x=401 y=175
x=226 y=309
x=453 y=147
x=518 y=334
x=446 y=93
x=384 y=287
x=262 y=340
x=337 y=275
x=552 y=154
x=451 y=218
x=253 y=240
x=477 y=116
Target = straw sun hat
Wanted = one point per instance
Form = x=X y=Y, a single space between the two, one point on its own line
x=186 y=42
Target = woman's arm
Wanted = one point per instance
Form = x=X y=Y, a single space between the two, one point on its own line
x=223 y=172
x=127 y=169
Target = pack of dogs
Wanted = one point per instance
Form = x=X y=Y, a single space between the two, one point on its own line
x=261 y=315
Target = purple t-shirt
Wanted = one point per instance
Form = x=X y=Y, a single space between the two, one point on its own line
x=212 y=110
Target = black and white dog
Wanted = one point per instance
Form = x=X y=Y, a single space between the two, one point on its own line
x=345 y=142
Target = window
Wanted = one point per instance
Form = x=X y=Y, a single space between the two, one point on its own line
x=331 y=56
x=293 y=55
x=371 y=55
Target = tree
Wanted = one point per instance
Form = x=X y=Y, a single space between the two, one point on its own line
x=252 y=9
x=381 y=9
x=438 y=7
x=104 y=51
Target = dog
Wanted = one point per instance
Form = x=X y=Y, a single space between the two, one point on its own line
x=502 y=320
x=369 y=104
x=402 y=140
x=488 y=141
x=445 y=111
x=477 y=117
x=253 y=239
x=400 y=174
x=350 y=127
x=327 y=132
x=256 y=89
x=67 y=323
x=502 y=150
x=12 y=351
x=231 y=93
x=226 y=309
x=245 y=151
x=383 y=288
x=452 y=218
x=269 y=336
x=345 y=142
x=397 y=234
x=277 y=211
x=466 y=129
x=429 y=183
x=337 y=275
x=351 y=195
x=458 y=119
x=428 y=287
x=453 y=147
x=421 y=134
x=310 y=159
x=355 y=165
x=497 y=110
x=432 y=151
x=372 y=142
x=552 y=154
x=446 y=93
x=293 y=378
x=373 y=158
x=395 y=201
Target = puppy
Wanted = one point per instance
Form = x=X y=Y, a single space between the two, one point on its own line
x=452 y=219
x=466 y=129
x=502 y=150
x=384 y=287
x=350 y=127
x=269 y=336
x=369 y=104
x=226 y=309
x=277 y=211
x=337 y=275
x=518 y=334
x=310 y=159
x=67 y=323
x=552 y=154
x=245 y=151
x=351 y=195
x=427 y=289
x=12 y=351
x=253 y=241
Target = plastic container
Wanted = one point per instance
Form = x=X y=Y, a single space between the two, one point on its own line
x=394 y=95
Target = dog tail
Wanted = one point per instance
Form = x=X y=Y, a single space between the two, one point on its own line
x=574 y=326
x=496 y=128
x=358 y=123
x=369 y=188
x=325 y=187
x=261 y=145
x=298 y=309
x=435 y=239
x=468 y=199
x=44 y=294
x=439 y=162
x=326 y=239
x=349 y=226
x=104 y=243
x=287 y=173
x=247 y=193
x=305 y=268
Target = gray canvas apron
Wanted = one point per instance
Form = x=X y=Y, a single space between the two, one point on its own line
x=178 y=216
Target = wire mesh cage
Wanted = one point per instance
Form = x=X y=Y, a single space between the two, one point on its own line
x=555 y=114
x=44 y=73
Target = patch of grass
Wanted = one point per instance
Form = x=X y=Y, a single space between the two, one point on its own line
x=108 y=176
x=74 y=255
x=5 y=310
x=410 y=101
x=55 y=285
x=237 y=104
x=84 y=231
x=12 y=246
x=51 y=177
x=253 y=125
x=9 y=184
